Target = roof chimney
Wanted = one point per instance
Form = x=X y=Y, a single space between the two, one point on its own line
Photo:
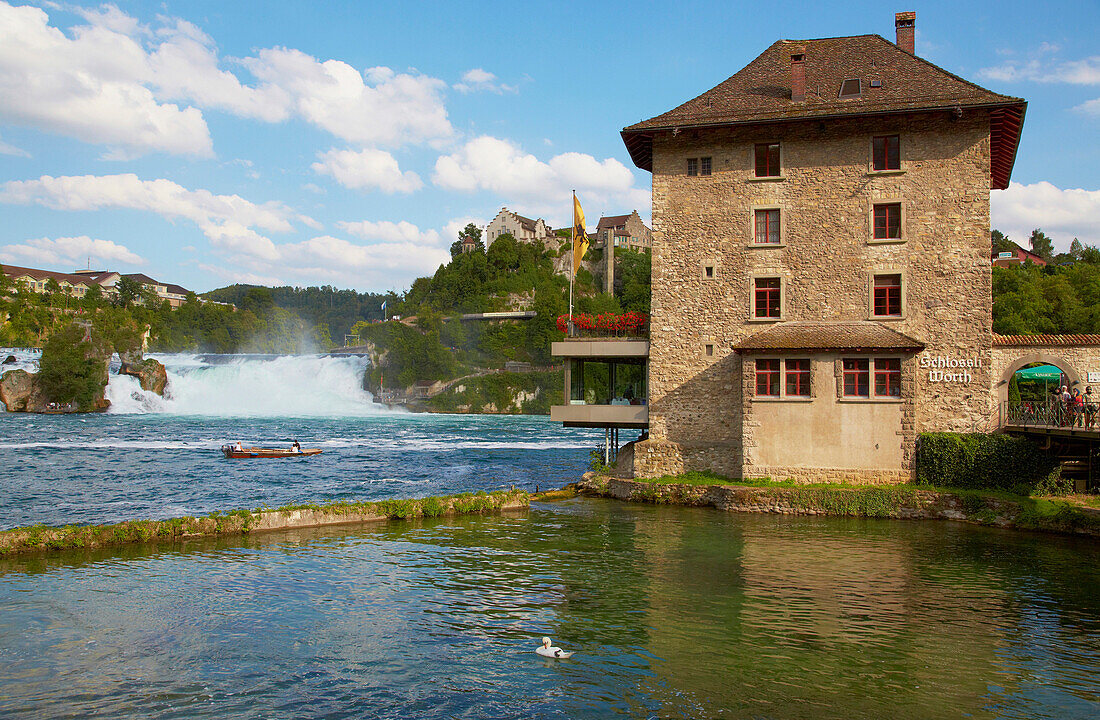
x=906 y=25
x=798 y=74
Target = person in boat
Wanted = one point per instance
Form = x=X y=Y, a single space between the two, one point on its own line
x=239 y=448
x=296 y=447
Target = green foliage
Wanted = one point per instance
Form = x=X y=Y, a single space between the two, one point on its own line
x=596 y=462
x=501 y=391
x=985 y=462
x=1041 y=245
x=632 y=280
x=1014 y=390
x=38 y=537
x=321 y=309
x=73 y=369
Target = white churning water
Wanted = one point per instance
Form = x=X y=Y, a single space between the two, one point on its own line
x=251 y=386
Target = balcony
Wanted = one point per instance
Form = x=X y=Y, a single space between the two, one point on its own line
x=606 y=379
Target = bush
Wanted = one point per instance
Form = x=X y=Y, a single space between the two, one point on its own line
x=73 y=369
x=986 y=462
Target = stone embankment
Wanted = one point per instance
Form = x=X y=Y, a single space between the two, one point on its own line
x=40 y=537
x=903 y=502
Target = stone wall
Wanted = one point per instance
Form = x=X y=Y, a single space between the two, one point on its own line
x=700 y=405
x=1076 y=356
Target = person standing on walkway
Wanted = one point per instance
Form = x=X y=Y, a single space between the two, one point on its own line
x=1090 y=407
x=1078 y=417
x=1067 y=406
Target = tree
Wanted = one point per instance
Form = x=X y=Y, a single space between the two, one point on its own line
x=94 y=297
x=129 y=290
x=6 y=283
x=1000 y=242
x=1041 y=245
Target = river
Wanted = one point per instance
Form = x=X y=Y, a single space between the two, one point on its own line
x=672 y=612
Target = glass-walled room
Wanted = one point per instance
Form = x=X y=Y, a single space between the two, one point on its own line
x=619 y=381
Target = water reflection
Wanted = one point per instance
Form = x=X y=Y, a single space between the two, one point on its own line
x=674 y=613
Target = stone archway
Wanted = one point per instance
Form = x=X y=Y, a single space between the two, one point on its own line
x=1030 y=359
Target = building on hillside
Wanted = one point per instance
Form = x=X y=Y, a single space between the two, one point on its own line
x=821 y=285
x=73 y=284
x=522 y=229
x=79 y=282
x=620 y=232
x=469 y=244
x=1016 y=256
x=624 y=232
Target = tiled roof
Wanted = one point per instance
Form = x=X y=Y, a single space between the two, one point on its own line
x=178 y=289
x=819 y=335
x=1046 y=340
x=761 y=93
x=15 y=271
x=142 y=278
x=612 y=221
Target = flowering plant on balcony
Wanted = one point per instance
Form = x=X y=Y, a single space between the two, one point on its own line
x=627 y=324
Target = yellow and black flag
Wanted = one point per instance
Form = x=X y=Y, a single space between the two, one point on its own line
x=580 y=237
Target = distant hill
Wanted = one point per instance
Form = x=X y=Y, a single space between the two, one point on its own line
x=337 y=310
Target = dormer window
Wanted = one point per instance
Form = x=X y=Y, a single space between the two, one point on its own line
x=851 y=88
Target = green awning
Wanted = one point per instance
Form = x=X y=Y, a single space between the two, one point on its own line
x=1041 y=372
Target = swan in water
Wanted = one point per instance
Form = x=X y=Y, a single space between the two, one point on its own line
x=553 y=652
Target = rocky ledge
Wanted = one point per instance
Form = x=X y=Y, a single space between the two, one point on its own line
x=151 y=373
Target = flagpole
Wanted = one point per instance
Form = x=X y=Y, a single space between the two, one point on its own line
x=572 y=260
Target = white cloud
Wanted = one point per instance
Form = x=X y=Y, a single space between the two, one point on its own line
x=376 y=107
x=1063 y=214
x=110 y=82
x=8 y=149
x=488 y=163
x=1047 y=70
x=1044 y=66
x=227 y=220
x=70 y=249
x=402 y=231
x=368 y=169
x=479 y=79
x=89 y=86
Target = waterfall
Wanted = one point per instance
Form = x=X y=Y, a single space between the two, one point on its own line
x=251 y=386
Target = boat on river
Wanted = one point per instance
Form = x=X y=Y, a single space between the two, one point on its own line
x=233 y=453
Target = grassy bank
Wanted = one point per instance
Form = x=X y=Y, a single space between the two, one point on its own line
x=909 y=501
x=41 y=537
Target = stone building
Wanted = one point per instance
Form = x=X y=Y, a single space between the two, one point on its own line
x=522 y=229
x=821 y=285
x=620 y=232
x=623 y=232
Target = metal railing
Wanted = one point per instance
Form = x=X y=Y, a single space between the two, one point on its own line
x=1050 y=412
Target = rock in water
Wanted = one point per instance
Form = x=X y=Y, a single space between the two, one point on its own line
x=9 y=360
x=20 y=393
x=150 y=372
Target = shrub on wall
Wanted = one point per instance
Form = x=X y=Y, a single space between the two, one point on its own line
x=987 y=462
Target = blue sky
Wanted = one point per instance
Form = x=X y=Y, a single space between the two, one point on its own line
x=344 y=143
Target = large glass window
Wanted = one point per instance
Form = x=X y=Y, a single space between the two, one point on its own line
x=693 y=166
x=607 y=382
